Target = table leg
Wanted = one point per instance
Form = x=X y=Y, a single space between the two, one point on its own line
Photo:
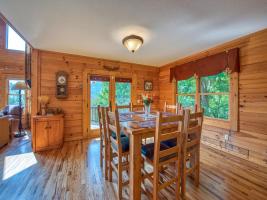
x=135 y=167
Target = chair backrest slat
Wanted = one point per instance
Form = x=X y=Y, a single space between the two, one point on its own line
x=174 y=118
x=193 y=133
x=135 y=107
x=113 y=125
x=174 y=108
x=102 y=122
x=123 y=107
x=169 y=151
x=168 y=136
x=163 y=135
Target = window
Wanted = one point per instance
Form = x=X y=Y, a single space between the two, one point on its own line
x=215 y=95
x=14 y=41
x=123 y=93
x=13 y=95
x=186 y=91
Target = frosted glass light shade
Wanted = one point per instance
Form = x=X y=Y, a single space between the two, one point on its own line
x=132 y=42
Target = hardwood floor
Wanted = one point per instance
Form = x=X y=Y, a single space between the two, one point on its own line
x=73 y=172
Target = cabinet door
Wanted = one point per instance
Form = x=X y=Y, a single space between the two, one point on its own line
x=41 y=134
x=55 y=134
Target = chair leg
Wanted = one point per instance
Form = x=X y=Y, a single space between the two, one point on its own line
x=183 y=177
x=106 y=159
x=101 y=152
x=197 y=163
x=109 y=164
x=155 y=184
x=178 y=176
x=119 y=178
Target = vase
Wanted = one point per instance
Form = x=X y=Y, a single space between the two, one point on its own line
x=43 y=110
x=147 y=110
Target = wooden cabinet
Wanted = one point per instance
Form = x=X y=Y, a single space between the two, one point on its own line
x=47 y=132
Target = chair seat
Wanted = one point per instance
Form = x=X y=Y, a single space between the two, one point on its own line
x=113 y=134
x=170 y=143
x=173 y=142
x=148 y=151
x=124 y=144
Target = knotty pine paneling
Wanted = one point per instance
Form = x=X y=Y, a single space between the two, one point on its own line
x=11 y=64
x=46 y=65
x=251 y=137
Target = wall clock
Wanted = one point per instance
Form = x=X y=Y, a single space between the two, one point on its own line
x=62 y=85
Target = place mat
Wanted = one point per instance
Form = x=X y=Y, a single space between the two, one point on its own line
x=138 y=124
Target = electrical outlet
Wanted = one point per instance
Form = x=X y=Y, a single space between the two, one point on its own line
x=226 y=137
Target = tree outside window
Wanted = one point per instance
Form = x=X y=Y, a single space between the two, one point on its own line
x=123 y=93
x=214 y=94
x=13 y=95
x=186 y=90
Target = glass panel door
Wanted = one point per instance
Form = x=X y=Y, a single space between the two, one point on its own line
x=123 y=94
x=99 y=95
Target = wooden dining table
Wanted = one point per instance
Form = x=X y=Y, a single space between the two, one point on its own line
x=137 y=125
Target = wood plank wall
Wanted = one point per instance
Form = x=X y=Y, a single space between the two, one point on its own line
x=11 y=64
x=251 y=141
x=45 y=64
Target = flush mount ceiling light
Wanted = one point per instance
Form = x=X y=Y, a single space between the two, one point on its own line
x=132 y=42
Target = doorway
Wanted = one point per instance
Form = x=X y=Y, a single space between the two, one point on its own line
x=99 y=95
x=106 y=90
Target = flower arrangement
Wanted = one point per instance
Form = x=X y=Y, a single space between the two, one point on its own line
x=147 y=100
x=44 y=100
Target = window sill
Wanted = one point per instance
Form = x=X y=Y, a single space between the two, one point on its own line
x=225 y=124
x=14 y=51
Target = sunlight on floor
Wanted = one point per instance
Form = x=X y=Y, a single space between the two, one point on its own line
x=17 y=163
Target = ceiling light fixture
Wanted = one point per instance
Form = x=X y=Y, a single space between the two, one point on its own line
x=132 y=42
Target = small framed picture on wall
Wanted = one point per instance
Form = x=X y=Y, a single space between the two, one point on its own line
x=148 y=85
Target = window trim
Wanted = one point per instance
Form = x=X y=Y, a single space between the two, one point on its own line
x=232 y=122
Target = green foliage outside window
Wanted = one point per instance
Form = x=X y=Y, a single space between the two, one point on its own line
x=186 y=92
x=215 y=106
x=187 y=101
x=123 y=93
x=99 y=93
x=216 y=102
x=215 y=83
x=214 y=94
x=187 y=86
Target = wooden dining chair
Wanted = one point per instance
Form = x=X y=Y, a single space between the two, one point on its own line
x=123 y=107
x=103 y=140
x=118 y=149
x=160 y=155
x=191 y=149
x=173 y=108
x=137 y=107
